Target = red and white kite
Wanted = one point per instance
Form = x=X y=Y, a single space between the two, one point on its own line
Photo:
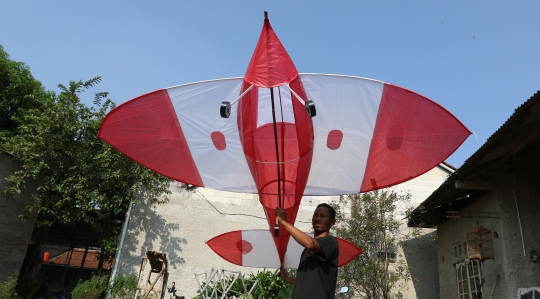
x=366 y=135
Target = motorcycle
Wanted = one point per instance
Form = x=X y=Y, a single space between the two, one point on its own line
x=172 y=293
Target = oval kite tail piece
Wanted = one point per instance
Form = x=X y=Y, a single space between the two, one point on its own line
x=146 y=129
x=412 y=136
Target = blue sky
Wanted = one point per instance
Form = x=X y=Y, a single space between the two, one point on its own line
x=478 y=59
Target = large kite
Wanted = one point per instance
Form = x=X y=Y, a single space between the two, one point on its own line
x=282 y=135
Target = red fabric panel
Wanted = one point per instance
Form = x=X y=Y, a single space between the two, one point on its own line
x=270 y=64
x=412 y=135
x=284 y=237
x=218 y=139
x=347 y=252
x=305 y=136
x=226 y=246
x=334 y=139
x=247 y=124
x=265 y=153
x=244 y=246
x=295 y=150
x=147 y=130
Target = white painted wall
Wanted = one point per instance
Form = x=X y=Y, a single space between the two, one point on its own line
x=181 y=227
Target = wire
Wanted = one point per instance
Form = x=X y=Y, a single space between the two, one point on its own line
x=236 y=214
x=231 y=214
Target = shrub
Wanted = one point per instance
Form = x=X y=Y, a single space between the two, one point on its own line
x=7 y=289
x=268 y=286
x=91 y=289
x=124 y=287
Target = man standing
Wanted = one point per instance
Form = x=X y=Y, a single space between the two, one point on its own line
x=317 y=272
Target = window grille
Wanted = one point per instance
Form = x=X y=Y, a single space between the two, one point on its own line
x=392 y=256
x=528 y=293
x=480 y=244
x=469 y=279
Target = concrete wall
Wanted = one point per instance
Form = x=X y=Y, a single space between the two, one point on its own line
x=15 y=233
x=421 y=254
x=189 y=218
x=515 y=269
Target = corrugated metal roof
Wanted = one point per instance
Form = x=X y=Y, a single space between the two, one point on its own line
x=447 y=194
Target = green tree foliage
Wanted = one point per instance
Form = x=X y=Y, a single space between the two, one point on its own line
x=83 y=179
x=18 y=91
x=372 y=221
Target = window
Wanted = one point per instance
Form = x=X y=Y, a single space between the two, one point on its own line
x=392 y=256
x=529 y=293
x=469 y=278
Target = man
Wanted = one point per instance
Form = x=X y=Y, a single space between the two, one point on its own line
x=317 y=272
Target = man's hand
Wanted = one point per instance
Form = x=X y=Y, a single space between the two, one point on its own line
x=283 y=275
x=302 y=238
x=281 y=214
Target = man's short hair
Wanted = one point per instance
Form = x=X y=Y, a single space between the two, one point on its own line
x=330 y=210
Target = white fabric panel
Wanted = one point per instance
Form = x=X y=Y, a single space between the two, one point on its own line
x=264 y=253
x=265 y=106
x=197 y=107
x=293 y=254
x=348 y=104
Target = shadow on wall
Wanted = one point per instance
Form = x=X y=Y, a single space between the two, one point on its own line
x=145 y=221
x=421 y=255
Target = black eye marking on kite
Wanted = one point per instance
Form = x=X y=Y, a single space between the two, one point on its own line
x=310 y=109
x=225 y=109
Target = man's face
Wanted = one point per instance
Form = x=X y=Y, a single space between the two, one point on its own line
x=322 y=222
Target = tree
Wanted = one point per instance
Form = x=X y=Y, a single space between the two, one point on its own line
x=83 y=179
x=18 y=91
x=373 y=224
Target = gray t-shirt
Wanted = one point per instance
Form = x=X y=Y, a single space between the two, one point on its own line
x=317 y=272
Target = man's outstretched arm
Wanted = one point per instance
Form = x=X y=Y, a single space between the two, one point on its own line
x=302 y=238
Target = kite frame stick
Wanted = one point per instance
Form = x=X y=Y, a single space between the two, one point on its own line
x=295 y=94
x=276 y=227
x=277 y=146
x=243 y=94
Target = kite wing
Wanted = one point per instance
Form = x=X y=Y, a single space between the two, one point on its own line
x=368 y=134
x=178 y=132
x=256 y=249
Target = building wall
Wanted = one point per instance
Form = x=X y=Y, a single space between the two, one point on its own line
x=15 y=233
x=421 y=254
x=515 y=269
x=190 y=218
